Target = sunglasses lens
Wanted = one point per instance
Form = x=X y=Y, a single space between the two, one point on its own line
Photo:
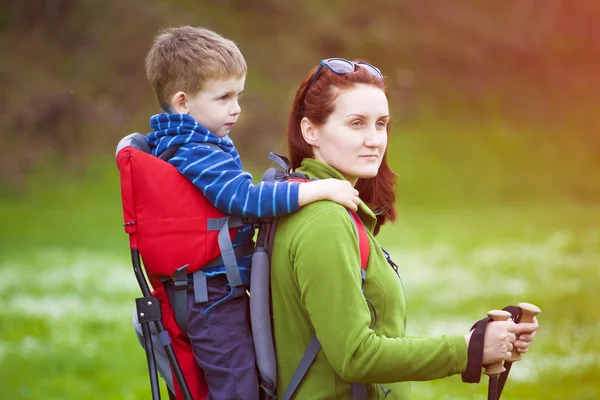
x=371 y=69
x=340 y=66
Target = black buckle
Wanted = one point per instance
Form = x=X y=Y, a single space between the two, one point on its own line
x=390 y=261
x=180 y=283
x=180 y=278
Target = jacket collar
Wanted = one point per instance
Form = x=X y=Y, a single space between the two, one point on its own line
x=319 y=170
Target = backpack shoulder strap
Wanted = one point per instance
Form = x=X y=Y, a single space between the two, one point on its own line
x=363 y=240
x=358 y=390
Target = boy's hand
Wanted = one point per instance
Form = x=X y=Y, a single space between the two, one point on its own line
x=339 y=191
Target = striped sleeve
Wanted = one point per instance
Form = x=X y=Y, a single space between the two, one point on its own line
x=229 y=188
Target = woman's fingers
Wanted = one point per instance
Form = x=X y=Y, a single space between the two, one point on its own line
x=525 y=327
x=526 y=337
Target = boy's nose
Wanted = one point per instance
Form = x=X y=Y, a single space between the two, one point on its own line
x=236 y=109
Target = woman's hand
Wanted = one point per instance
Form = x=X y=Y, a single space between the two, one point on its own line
x=497 y=342
x=501 y=336
x=525 y=335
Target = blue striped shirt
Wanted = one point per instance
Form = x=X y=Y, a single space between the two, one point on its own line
x=218 y=173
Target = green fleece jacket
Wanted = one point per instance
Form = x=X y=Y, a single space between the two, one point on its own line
x=316 y=287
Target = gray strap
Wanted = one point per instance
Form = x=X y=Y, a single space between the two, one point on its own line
x=359 y=391
x=305 y=362
x=180 y=297
x=385 y=392
x=240 y=252
x=231 y=267
x=200 y=288
x=215 y=224
x=164 y=339
x=271 y=236
x=260 y=318
x=260 y=311
x=282 y=161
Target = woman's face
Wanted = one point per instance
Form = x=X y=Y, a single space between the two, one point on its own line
x=354 y=138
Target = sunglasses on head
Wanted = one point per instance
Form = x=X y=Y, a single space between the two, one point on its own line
x=341 y=66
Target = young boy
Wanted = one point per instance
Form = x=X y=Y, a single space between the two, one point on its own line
x=198 y=77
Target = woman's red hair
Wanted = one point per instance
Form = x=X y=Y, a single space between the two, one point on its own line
x=316 y=102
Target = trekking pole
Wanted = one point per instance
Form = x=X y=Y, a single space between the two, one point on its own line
x=528 y=311
x=495 y=369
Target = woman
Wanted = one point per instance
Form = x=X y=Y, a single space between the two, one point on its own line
x=338 y=128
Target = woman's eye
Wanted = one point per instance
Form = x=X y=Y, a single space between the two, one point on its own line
x=381 y=124
x=357 y=123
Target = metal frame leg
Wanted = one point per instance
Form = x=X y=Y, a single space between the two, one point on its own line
x=151 y=361
x=148 y=310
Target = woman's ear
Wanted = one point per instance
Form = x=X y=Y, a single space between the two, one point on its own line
x=179 y=103
x=309 y=132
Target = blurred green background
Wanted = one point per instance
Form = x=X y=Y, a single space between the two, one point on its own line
x=496 y=140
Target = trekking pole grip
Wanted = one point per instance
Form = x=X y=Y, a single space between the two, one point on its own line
x=529 y=311
x=496 y=368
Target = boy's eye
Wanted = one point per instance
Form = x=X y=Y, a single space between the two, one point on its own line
x=225 y=97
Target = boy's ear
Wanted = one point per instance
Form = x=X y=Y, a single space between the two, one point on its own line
x=179 y=103
x=309 y=132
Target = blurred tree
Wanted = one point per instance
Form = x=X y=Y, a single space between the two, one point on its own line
x=73 y=80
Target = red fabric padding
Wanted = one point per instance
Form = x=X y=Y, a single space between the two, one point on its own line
x=127 y=197
x=192 y=373
x=165 y=215
x=363 y=241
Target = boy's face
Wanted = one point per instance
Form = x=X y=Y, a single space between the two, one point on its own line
x=216 y=106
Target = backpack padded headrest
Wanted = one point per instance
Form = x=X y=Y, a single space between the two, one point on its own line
x=135 y=140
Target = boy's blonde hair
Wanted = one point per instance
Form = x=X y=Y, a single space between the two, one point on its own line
x=184 y=58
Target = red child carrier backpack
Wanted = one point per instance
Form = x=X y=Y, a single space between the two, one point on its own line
x=176 y=231
x=166 y=219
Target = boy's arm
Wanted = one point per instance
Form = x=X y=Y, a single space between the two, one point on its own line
x=337 y=190
x=230 y=189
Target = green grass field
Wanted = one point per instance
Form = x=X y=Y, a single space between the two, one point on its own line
x=67 y=290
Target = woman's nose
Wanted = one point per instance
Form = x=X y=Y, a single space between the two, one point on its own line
x=374 y=138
